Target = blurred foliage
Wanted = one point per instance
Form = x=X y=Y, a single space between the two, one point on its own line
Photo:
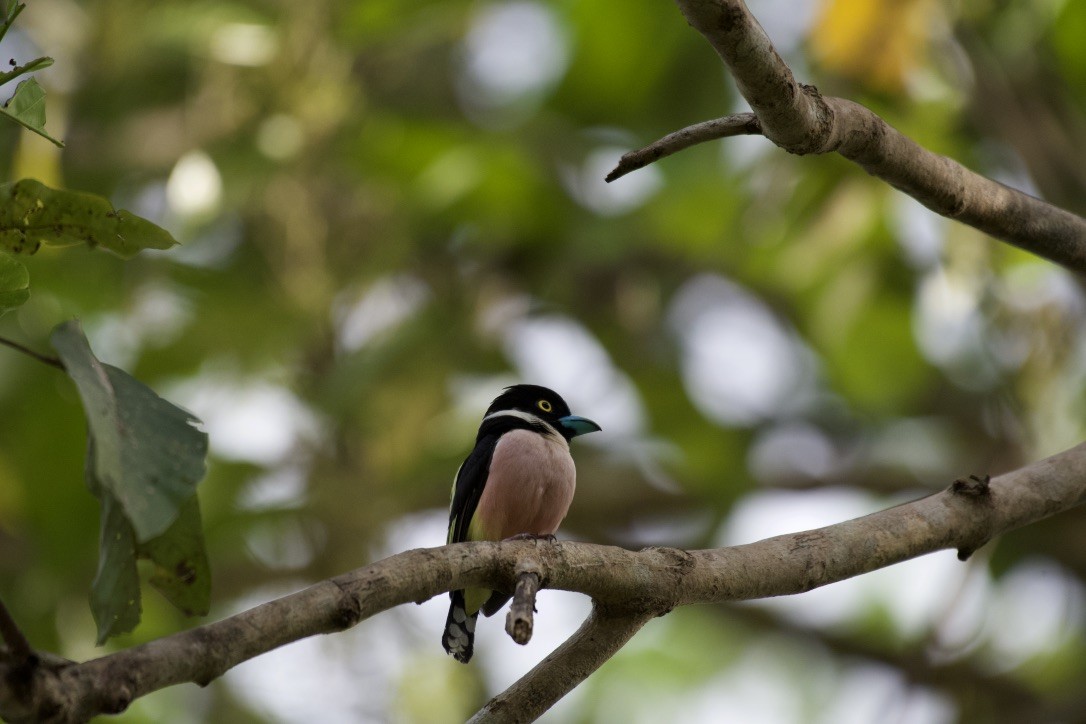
x=144 y=457
x=388 y=210
x=26 y=106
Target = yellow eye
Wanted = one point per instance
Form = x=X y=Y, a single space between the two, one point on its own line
x=544 y=405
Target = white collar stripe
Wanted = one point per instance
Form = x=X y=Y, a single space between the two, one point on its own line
x=529 y=418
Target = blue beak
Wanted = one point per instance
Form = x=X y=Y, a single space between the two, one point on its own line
x=575 y=425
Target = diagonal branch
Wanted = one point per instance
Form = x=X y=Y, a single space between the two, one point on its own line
x=739 y=124
x=800 y=120
x=627 y=587
x=599 y=638
x=51 y=361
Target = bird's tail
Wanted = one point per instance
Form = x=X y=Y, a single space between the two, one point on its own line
x=459 y=636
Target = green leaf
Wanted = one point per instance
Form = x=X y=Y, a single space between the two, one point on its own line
x=115 y=593
x=14 y=283
x=147 y=453
x=32 y=214
x=181 y=572
x=34 y=65
x=144 y=459
x=27 y=108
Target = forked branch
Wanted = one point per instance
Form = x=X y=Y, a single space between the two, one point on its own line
x=800 y=120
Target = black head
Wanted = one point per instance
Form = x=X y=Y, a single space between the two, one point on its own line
x=545 y=404
x=533 y=399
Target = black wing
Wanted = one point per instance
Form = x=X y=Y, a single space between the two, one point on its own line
x=472 y=475
x=470 y=480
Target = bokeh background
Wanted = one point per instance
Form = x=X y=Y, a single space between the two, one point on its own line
x=390 y=209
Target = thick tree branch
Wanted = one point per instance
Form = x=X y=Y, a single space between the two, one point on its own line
x=960 y=517
x=800 y=120
x=628 y=588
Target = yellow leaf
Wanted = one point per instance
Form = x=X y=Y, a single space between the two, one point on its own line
x=876 y=42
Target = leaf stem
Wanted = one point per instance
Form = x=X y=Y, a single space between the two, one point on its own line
x=44 y=358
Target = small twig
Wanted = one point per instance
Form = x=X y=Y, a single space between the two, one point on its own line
x=19 y=649
x=740 y=124
x=36 y=355
x=519 y=621
x=13 y=12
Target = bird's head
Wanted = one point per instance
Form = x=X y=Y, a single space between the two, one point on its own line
x=545 y=404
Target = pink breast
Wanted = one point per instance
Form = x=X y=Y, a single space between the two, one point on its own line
x=530 y=487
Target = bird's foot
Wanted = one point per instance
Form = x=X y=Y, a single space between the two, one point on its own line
x=549 y=537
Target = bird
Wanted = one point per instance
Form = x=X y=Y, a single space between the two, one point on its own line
x=517 y=482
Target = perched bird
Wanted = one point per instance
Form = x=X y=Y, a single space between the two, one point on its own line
x=518 y=481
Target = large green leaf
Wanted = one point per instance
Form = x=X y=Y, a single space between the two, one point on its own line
x=144 y=458
x=27 y=108
x=32 y=214
x=14 y=283
x=147 y=451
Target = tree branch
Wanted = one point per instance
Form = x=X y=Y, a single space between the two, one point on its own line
x=739 y=124
x=520 y=620
x=599 y=638
x=800 y=120
x=51 y=361
x=19 y=650
x=627 y=587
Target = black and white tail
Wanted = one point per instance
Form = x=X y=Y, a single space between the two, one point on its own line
x=459 y=636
